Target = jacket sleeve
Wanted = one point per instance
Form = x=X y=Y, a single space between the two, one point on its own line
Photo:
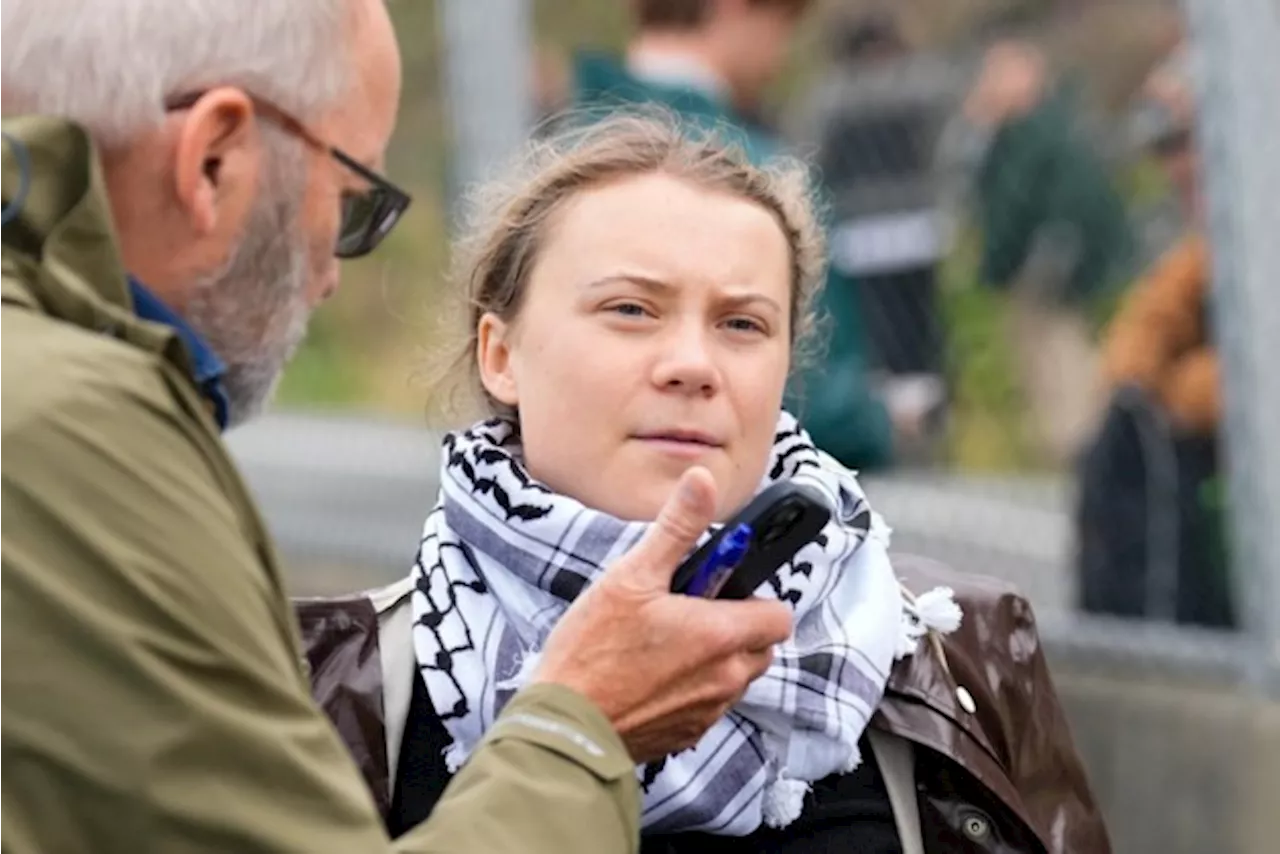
x=555 y=772
x=1011 y=200
x=1192 y=391
x=1158 y=319
x=154 y=695
x=1160 y=324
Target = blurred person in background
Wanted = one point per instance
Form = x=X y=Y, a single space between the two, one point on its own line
x=1152 y=528
x=710 y=62
x=1053 y=229
x=874 y=119
x=180 y=182
x=1160 y=338
x=631 y=303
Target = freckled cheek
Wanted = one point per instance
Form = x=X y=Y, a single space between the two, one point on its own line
x=581 y=373
x=755 y=391
x=757 y=383
x=573 y=402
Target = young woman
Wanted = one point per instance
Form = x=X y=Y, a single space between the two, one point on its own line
x=635 y=304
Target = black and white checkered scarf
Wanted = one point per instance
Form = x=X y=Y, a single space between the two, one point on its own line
x=502 y=557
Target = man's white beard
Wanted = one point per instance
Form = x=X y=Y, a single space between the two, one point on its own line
x=253 y=312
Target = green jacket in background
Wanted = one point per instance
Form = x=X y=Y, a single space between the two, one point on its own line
x=154 y=697
x=832 y=397
x=1041 y=174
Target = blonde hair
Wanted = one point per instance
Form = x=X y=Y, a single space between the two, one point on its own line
x=510 y=221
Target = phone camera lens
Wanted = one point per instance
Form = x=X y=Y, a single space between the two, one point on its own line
x=782 y=522
x=788 y=517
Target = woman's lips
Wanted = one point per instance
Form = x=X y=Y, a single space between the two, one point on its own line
x=677 y=445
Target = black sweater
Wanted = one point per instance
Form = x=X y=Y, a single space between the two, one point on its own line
x=849 y=812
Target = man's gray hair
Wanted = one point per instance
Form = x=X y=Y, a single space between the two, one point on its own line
x=110 y=64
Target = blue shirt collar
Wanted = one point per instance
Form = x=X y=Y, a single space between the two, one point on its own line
x=206 y=368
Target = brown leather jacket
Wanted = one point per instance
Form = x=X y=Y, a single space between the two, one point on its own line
x=995 y=770
x=1012 y=742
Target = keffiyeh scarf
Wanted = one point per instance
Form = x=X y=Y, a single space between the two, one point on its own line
x=502 y=556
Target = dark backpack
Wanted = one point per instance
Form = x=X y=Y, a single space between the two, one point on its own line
x=1148 y=520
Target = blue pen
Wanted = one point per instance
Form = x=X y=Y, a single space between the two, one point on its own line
x=724 y=559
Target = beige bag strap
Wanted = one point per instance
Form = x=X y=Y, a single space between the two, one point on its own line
x=395 y=649
x=896 y=759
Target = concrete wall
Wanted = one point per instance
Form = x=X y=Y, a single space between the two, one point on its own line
x=1182 y=754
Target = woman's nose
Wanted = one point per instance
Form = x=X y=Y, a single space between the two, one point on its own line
x=687 y=363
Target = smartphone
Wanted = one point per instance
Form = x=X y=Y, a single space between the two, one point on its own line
x=755 y=543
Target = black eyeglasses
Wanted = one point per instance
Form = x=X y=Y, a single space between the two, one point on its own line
x=367 y=216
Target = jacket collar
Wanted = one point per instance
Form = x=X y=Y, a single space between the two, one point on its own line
x=602 y=83
x=206 y=368
x=60 y=253
x=677 y=71
x=600 y=78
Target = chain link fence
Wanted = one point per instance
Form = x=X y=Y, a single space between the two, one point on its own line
x=996 y=250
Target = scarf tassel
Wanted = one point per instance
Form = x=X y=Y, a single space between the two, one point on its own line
x=783 y=801
x=933 y=611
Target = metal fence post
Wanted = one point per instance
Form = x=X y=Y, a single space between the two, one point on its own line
x=487 y=66
x=1236 y=51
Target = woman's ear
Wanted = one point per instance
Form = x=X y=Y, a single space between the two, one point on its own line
x=494 y=357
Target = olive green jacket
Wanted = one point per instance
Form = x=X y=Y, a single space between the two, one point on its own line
x=154 y=697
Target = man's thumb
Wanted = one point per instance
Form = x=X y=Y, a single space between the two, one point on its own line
x=685 y=516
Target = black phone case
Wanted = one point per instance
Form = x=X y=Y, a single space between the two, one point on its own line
x=767 y=553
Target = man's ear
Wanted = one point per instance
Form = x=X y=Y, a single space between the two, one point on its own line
x=493 y=355
x=217 y=158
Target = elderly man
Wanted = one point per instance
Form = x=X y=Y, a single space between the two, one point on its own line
x=178 y=179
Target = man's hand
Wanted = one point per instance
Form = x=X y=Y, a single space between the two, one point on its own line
x=663 y=667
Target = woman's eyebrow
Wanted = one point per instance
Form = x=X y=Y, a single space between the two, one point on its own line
x=647 y=282
x=743 y=300
x=658 y=286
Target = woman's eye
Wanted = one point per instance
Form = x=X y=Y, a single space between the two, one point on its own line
x=628 y=309
x=745 y=324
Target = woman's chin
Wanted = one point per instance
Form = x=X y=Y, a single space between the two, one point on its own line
x=635 y=485
x=644 y=501
x=633 y=499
